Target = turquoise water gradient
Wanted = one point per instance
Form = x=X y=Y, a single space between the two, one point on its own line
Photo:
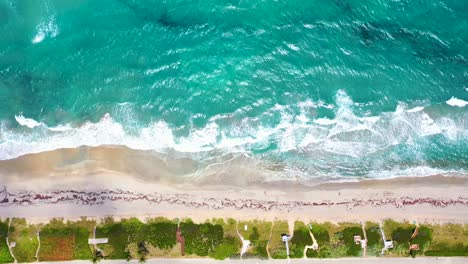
x=324 y=88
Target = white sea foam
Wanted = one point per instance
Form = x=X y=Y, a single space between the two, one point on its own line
x=346 y=134
x=48 y=26
x=27 y=122
x=293 y=47
x=416 y=109
x=325 y=121
x=457 y=102
x=419 y=171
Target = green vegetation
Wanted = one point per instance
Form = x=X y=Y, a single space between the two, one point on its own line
x=423 y=239
x=218 y=239
x=258 y=232
x=5 y=256
x=276 y=247
x=25 y=237
x=374 y=239
x=347 y=237
x=65 y=241
x=201 y=239
x=301 y=238
x=160 y=233
x=448 y=240
x=401 y=234
x=322 y=236
x=118 y=234
x=227 y=248
x=231 y=245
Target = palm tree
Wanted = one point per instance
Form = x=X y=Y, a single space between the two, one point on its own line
x=142 y=251
x=97 y=256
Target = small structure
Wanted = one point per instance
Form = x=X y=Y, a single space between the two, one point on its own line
x=245 y=246
x=363 y=243
x=357 y=239
x=12 y=244
x=414 y=247
x=96 y=241
x=314 y=246
x=285 y=238
x=180 y=238
x=388 y=244
x=245 y=227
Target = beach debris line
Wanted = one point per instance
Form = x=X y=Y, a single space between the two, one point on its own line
x=100 y=197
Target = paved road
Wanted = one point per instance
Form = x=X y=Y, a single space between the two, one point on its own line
x=421 y=260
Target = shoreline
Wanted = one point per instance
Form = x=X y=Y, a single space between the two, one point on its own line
x=177 y=169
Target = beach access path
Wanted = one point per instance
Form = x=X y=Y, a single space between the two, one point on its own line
x=418 y=260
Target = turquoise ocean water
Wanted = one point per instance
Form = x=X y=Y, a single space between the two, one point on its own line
x=312 y=89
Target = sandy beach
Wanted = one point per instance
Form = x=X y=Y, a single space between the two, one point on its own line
x=103 y=181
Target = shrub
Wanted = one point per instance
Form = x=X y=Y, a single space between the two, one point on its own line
x=373 y=236
x=322 y=236
x=301 y=238
x=161 y=234
x=118 y=238
x=423 y=239
x=227 y=248
x=347 y=237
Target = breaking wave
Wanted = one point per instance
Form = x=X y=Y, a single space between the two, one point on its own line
x=390 y=144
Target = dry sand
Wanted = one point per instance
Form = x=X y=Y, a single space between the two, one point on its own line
x=103 y=181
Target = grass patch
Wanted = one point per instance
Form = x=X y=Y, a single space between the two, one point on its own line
x=258 y=232
x=276 y=247
x=448 y=240
x=374 y=239
x=5 y=256
x=65 y=241
x=26 y=240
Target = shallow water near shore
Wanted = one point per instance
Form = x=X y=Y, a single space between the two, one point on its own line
x=278 y=91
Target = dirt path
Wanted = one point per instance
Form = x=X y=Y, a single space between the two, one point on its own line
x=245 y=243
x=269 y=239
x=314 y=245
x=38 y=246
x=8 y=242
x=364 y=253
